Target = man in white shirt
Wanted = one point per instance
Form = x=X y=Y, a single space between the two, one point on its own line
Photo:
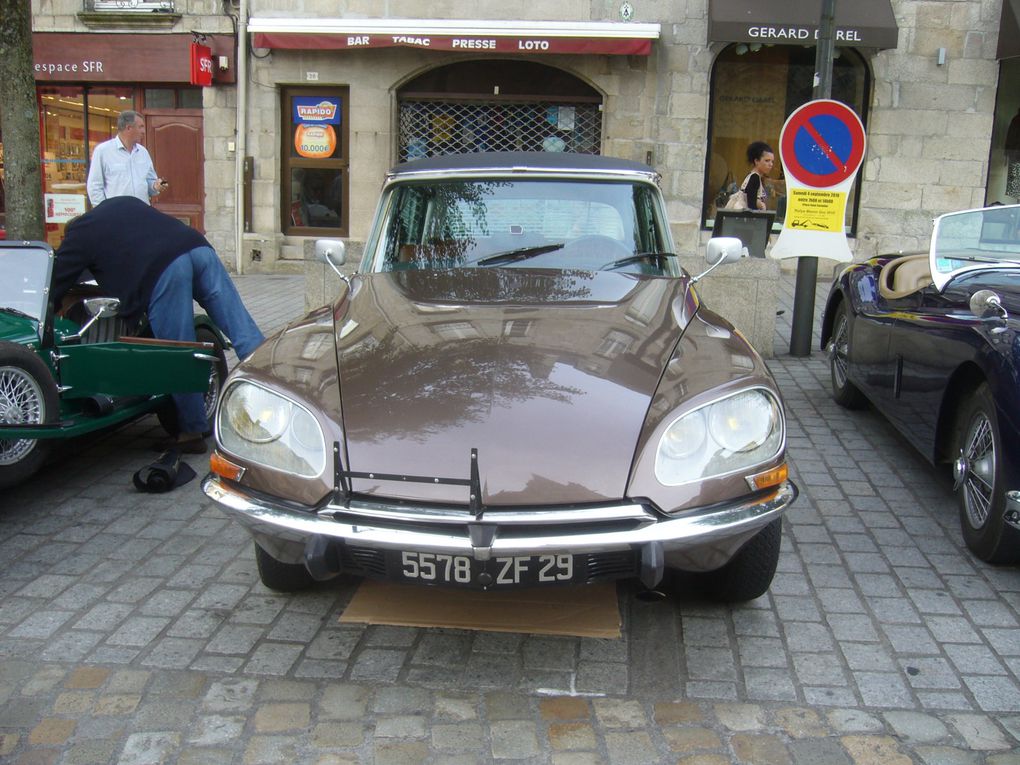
x=122 y=166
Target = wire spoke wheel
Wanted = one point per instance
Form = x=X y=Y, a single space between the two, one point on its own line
x=21 y=403
x=979 y=482
x=844 y=392
x=840 y=344
x=28 y=396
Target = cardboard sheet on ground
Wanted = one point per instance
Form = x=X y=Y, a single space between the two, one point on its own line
x=584 y=611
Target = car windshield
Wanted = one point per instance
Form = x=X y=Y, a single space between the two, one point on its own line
x=26 y=276
x=545 y=223
x=974 y=239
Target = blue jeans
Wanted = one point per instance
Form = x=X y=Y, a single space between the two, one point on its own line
x=200 y=276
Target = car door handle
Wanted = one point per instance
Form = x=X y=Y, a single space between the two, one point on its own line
x=206 y=357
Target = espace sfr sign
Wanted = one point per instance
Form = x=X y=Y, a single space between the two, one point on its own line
x=99 y=57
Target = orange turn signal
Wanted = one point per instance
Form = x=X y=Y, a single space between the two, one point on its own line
x=221 y=466
x=769 y=478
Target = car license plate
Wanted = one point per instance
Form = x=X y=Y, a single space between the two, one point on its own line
x=500 y=571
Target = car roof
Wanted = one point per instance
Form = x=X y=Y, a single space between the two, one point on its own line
x=521 y=161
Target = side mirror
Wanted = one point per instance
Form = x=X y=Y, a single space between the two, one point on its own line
x=98 y=308
x=102 y=307
x=986 y=304
x=722 y=249
x=332 y=252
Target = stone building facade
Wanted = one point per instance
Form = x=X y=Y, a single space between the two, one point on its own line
x=930 y=122
x=937 y=86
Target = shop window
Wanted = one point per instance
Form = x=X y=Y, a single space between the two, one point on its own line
x=315 y=161
x=173 y=98
x=754 y=89
x=1004 y=161
x=497 y=106
x=73 y=121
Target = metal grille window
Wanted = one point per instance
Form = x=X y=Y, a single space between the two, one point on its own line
x=432 y=128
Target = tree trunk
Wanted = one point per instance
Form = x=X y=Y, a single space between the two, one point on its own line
x=19 y=123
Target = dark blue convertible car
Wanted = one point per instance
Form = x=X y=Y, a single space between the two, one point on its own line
x=932 y=340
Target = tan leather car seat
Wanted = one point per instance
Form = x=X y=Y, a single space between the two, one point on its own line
x=904 y=276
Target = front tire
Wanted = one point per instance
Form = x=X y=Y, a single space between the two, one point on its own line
x=167 y=414
x=979 y=473
x=747 y=575
x=844 y=392
x=28 y=395
x=279 y=576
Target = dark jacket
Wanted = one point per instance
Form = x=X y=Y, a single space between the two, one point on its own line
x=127 y=245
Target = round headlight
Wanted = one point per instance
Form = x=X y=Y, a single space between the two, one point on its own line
x=255 y=414
x=685 y=437
x=743 y=422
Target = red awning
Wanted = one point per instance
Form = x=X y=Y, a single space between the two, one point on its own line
x=467 y=36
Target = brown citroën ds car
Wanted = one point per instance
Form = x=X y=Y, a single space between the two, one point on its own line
x=519 y=387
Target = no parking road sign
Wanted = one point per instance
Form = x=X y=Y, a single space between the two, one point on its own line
x=821 y=147
x=822 y=143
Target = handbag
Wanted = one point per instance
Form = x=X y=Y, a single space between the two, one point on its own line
x=723 y=195
x=738 y=199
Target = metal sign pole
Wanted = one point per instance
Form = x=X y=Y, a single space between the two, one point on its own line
x=807 y=267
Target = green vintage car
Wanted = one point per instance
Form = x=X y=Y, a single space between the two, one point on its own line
x=82 y=368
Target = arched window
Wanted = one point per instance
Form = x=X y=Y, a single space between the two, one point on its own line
x=497 y=105
x=754 y=89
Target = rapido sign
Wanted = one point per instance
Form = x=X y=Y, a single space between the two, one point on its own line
x=821 y=147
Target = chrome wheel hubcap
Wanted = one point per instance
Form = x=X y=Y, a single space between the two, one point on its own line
x=839 y=351
x=974 y=471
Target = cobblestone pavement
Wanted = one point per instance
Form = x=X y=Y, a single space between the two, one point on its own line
x=133 y=630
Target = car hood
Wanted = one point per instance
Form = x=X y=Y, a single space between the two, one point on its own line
x=548 y=374
x=1004 y=282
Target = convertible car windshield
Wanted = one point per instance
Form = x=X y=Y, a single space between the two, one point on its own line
x=975 y=238
x=26 y=275
x=543 y=223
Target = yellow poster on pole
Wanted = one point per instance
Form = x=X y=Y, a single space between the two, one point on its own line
x=815 y=209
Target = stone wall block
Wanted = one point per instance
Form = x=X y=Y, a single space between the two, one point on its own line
x=941 y=148
x=895 y=169
x=966 y=125
x=688 y=105
x=907 y=122
x=893 y=196
x=971 y=71
x=938 y=96
x=942 y=199
x=931 y=15
x=926 y=42
x=966 y=173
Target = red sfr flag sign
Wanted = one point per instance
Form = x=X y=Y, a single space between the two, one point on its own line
x=201 y=65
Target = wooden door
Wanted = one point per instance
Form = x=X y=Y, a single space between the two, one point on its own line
x=175 y=142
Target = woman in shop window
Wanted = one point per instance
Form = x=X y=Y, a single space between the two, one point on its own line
x=762 y=158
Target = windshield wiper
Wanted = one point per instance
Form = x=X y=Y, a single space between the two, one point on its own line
x=15 y=312
x=522 y=253
x=1015 y=257
x=659 y=256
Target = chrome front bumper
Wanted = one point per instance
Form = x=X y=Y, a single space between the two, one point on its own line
x=705 y=538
